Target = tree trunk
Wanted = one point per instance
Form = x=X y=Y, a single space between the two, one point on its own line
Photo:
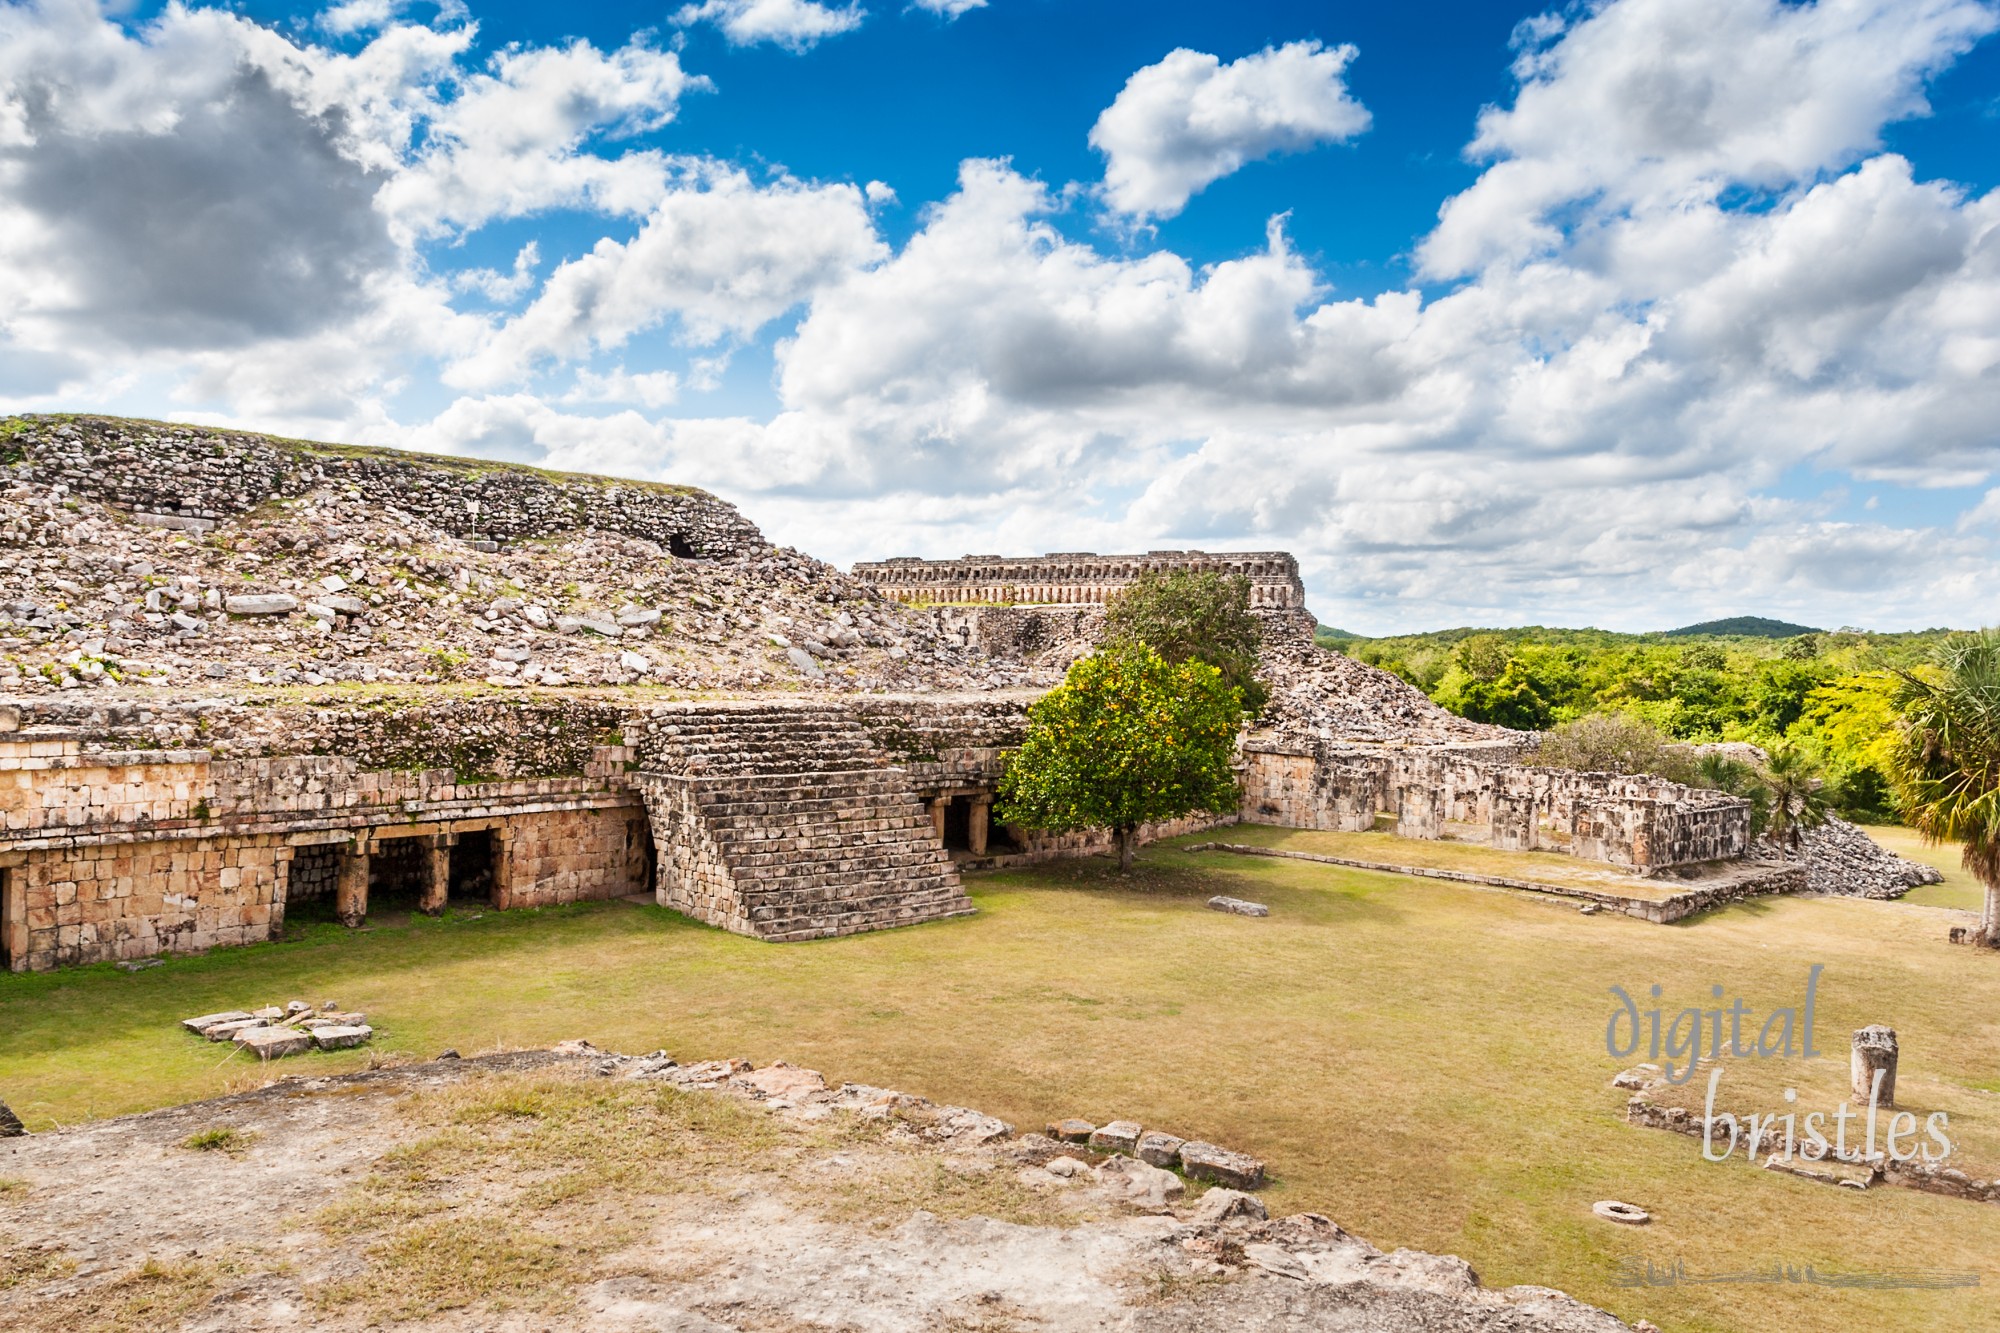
x=1990 y=926
x=1127 y=837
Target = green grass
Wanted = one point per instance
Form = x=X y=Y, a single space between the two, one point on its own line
x=1423 y=1061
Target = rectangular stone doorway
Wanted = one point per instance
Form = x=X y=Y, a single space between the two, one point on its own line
x=13 y=920
x=472 y=876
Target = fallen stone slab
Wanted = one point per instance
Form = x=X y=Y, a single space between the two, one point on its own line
x=227 y=1031
x=1222 y=902
x=207 y=1021
x=268 y=1011
x=1071 y=1131
x=962 y=1125
x=1206 y=1161
x=1159 y=1149
x=708 y=1073
x=339 y=1038
x=1118 y=1136
x=10 y=1124
x=260 y=604
x=274 y=1043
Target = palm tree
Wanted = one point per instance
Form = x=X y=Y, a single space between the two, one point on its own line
x=1793 y=798
x=1947 y=763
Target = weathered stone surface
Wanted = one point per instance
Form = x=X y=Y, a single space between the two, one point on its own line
x=1205 y=1161
x=268 y=1011
x=1071 y=1131
x=227 y=1031
x=1118 y=1136
x=260 y=604
x=1067 y=1167
x=1611 y=1210
x=1874 y=1052
x=207 y=1021
x=780 y=1080
x=338 y=1038
x=1223 y=1204
x=1237 y=906
x=1159 y=1149
x=274 y=1043
x=803 y=661
x=1138 y=1184
x=1637 y=1077
x=10 y=1124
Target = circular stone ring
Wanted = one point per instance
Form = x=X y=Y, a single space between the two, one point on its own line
x=1613 y=1211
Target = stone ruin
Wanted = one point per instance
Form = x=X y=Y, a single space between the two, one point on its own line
x=142 y=820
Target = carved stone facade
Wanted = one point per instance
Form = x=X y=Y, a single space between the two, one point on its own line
x=1079 y=578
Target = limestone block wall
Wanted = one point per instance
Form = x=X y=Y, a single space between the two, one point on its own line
x=138 y=899
x=1073 y=578
x=692 y=877
x=191 y=476
x=568 y=856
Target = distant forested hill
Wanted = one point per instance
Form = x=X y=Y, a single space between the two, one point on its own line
x=1753 y=627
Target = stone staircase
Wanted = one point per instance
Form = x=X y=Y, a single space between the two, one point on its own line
x=784 y=821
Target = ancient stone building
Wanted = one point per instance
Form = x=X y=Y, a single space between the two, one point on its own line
x=168 y=813
x=1078 y=578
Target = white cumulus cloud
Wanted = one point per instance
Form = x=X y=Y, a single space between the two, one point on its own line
x=1188 y=121
x=793 y=24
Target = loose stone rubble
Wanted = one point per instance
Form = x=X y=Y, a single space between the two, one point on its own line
x=1152 y=1254
x=274 y=1032
x=1222 y=902
x=1843 y=860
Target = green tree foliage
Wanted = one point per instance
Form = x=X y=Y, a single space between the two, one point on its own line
x=1128 y=738
x=1617 y=743
x=1947 y=757
x=1828 y=692
x=1199 y=616
x=1795 y=790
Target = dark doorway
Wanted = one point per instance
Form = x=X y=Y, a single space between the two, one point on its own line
x=958 y=824
x=13 y=919
x=680 y=546
x=397 y=871
x=311 y=885
x=471 y=879
x=639 y=855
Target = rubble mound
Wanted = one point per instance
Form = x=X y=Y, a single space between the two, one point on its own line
x=1842 y=860
x=141 y=556
x=1316 y=692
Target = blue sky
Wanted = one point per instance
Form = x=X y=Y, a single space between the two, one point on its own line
x=1632 y=313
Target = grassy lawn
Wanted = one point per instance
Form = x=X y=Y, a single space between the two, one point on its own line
x=1421 y=1060
x=1960 y=887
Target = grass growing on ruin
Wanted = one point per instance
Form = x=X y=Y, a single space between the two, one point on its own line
x=1421 y=1060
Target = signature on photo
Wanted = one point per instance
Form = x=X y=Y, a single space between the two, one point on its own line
x=1636 y=1272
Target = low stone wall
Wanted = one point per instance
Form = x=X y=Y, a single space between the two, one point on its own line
x=189 y=476
x=1755 y=882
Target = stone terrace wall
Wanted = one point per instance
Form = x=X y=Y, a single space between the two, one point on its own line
x=1071 y=578
x=192 y=477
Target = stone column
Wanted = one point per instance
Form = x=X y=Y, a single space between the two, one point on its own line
x=13 y=919
x=503 y=868
x=281 y=890
x=938 y=806
x=437 y=882
x=976 y=826
x=350 y=890
x=1874 y=1048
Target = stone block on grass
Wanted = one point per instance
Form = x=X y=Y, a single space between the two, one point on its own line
x=1159 y=1149
x=227 y=1031
x=1071 y=1131
x=207 y=1021
x=1118 y=1136
x=1206 y=1161
x=274 y=1043
x=340 y=1038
